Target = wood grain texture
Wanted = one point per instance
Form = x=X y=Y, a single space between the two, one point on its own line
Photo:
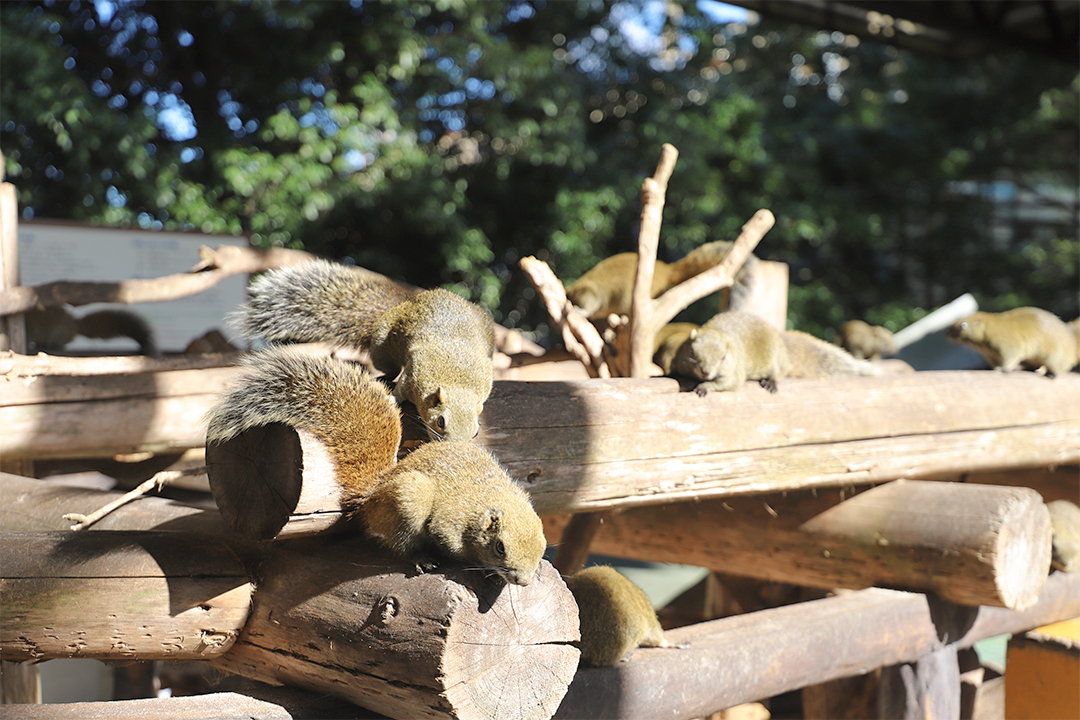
x=596 y=444
x=748 y=657
x=119 y=596
x=970 y=544
x=336 y=615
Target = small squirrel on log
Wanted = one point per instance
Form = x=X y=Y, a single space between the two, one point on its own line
x=449 y=498
x=607 y=288
x=440 y=343
x=725 y=352
x=865 y=341
x=615 y=616
x=1026 y=336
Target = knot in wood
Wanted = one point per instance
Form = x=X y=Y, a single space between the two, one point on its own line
x=388 y=609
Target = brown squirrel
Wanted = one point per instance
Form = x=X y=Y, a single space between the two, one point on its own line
x=615 y=616
x=1025 y=336
x=730 y=349
x=865 y=341
x=1065 y=521
x=608 y=287
x=668 y=341
x=811 y=357
x=51 y=328
x=449 y=498
x=440 y=343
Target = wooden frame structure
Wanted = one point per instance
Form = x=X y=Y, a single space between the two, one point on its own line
x=623 y=449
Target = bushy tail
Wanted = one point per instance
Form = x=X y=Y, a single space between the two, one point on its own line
x=353 y=415
x=812 y=357
x=318 y=302
x=105 y=324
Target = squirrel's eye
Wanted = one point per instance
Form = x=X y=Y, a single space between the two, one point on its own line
x=500 y=548
x=442 y=423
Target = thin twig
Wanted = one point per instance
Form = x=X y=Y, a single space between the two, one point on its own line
x=159 y=481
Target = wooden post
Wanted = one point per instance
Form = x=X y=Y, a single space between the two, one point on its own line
x=971 y=544
x=927 y=689
x=339 y=616
x=119 y=596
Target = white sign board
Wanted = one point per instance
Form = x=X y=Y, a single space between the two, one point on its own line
x=57 y=251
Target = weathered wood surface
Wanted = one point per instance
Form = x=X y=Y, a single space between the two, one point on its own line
x=598 y=444
x=29 y=504
x=970 y=544
x=926 y=688
x=212 y=706
x=335 y=615
x=119 y=596
x=93 y=416
x=748 y=657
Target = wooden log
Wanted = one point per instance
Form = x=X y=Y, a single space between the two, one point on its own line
x=758 y=655
x=971 y=544
x=212 y=706
x=119 y=596
x=29 y=504
x=596 y=444
x=337 y=615
x=926 y=688
x=96 y=416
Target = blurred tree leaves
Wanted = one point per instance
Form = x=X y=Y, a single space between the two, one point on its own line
x=440 y=141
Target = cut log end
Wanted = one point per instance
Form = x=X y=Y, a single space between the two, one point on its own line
x=375 y=632
x=1023 y=548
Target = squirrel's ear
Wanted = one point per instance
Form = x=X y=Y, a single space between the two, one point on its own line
x=492 y=517
x=437 y=396
x=693 y=333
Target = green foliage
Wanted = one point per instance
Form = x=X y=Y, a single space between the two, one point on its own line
x=439 y=142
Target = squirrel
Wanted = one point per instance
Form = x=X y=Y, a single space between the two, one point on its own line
x=730 y=349
x=811 y=357
x=51 y=328
x=608 y=287
x=1065 y=521
x=1026 y=336
x=614 y=614
x=668 y=341
x=449 y=498
x=439 y=343
x=865 y=341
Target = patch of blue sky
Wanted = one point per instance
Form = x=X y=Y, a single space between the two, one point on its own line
x=722 y=13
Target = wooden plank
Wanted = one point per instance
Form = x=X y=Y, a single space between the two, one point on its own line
x=970 y=544
x=119 y=596
x=376 y=632
x=748 y=657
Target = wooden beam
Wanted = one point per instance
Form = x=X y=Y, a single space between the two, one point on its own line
x=970 y=544
x=596 y=444
x=758 y=655
x=338 y=616
x=212 y=706
x=119 y=596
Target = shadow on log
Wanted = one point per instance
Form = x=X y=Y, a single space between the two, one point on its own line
x=119 y=596
x=337 y=615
